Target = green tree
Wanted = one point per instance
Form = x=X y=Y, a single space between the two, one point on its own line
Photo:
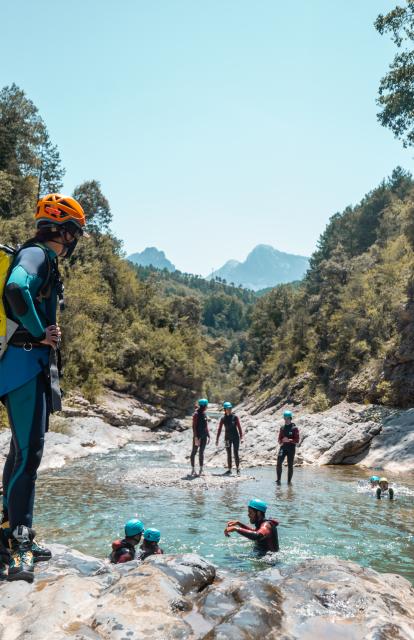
x=396 y=90
x=95 y=204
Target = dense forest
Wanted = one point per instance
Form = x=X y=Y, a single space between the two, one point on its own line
x=168 y=343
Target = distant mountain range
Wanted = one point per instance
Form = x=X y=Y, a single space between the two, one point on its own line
x=264 y=267
x=151 y=256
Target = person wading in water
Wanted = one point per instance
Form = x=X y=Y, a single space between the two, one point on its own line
x=288 y=439
x=233 y=436
x=264 y=533
x=201 y=435
x=29 y=381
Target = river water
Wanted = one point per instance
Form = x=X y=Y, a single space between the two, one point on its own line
x=324 y=512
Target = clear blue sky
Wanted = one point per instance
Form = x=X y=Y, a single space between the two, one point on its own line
x=212 y=125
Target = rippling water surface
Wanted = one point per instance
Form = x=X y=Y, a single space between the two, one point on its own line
x=323 y=513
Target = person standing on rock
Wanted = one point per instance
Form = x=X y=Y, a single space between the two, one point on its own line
x=264 y=533
x=233 y=436
x=29 y=380
x=288 y=439
x=201 y=435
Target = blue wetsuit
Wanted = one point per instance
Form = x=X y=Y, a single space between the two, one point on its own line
x=31 y=296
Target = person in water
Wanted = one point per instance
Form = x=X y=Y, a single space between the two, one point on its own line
x=233 y=436
x=384 y=489
x=288 y=439
x=374 y=481
x=201 y=435
x=29 y=381
x=124 y=550
x=264 y=533
x=150 y=545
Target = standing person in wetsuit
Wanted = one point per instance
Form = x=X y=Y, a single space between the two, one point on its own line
x=264 y=533
x=29 y=385
x=201 y=435
x=233 y=436
x=288 y=439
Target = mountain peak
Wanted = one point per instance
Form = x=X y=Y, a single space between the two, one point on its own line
x=264 y=267
x=152 y=257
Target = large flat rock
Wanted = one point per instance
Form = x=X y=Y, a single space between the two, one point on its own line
x=179 y=597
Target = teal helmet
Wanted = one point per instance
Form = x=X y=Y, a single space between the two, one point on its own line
x=287 y=414
x=227 y=405
x=203 y=402
x=259 y=505
x=133 y=527
x=152 y=535
x=374 y=478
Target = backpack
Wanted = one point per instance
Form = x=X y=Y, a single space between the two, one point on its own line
x=7 y=257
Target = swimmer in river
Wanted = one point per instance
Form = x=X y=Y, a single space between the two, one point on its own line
x=264 y=533
x=384 y=490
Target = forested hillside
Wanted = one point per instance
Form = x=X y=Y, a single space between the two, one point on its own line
x=348 y=330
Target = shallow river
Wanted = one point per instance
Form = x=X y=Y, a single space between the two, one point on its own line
x=324 y=512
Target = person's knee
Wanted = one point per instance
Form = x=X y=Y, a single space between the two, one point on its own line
x=34 y=457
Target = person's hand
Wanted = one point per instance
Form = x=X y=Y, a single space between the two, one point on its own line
x=53 y=336
x=217 y=443
x=229 y=530
x=232 y=523
x=285 y=439
x=197 y=442
x=241 y=440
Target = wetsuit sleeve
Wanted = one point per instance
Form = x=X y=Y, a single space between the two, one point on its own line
x=220 y=428
x=23 y=285
x=280 y=436
x=295 y=435
x=238 y=425
x=264 y=531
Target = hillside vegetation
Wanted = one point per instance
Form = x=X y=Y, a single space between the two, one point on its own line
x=347 y=331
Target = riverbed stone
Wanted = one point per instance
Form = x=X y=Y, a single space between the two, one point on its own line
x=167 y=597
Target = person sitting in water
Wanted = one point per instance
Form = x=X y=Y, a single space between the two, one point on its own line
x=150 y=545
x=264 y=533
x=124 y=550
x=374 y=480
x=384 y=489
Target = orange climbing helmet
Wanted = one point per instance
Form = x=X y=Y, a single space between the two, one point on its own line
x=58 y=209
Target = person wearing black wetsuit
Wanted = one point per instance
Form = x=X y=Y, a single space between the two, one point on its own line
x=264 y=533
x=150 y=546
x=201 y=435
x=124 y=550
x=288 y=439
x=29 y=387
x=233 y=436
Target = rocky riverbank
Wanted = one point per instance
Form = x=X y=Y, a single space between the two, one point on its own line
x=83 y=428
x=183 y=597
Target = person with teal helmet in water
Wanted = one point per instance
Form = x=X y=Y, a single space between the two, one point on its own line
x=374 y=481
x=150 y=545
x=124 y=550
x=201 y=435
x=264 y=533
x=233 y=436
x=288 y=439
x=384 y=490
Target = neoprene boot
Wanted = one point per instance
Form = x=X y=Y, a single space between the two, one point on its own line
x=290 y=475
x=238 y=471
x=201 y=472
x=40 y=554
x=21 y=557
x=4 y=562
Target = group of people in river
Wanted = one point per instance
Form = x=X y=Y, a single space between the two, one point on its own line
x=288 y=438
x=381 y=487
x=30 y=288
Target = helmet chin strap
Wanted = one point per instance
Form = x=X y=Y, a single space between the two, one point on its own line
x=69 y=247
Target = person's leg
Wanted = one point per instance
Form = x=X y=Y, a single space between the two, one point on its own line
x=236 y=444
x=280 y=457
x=203 y=443
x=7 y=473
x=291 y=458
x=229 y=459
x=28 y=415
x=193 y=454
